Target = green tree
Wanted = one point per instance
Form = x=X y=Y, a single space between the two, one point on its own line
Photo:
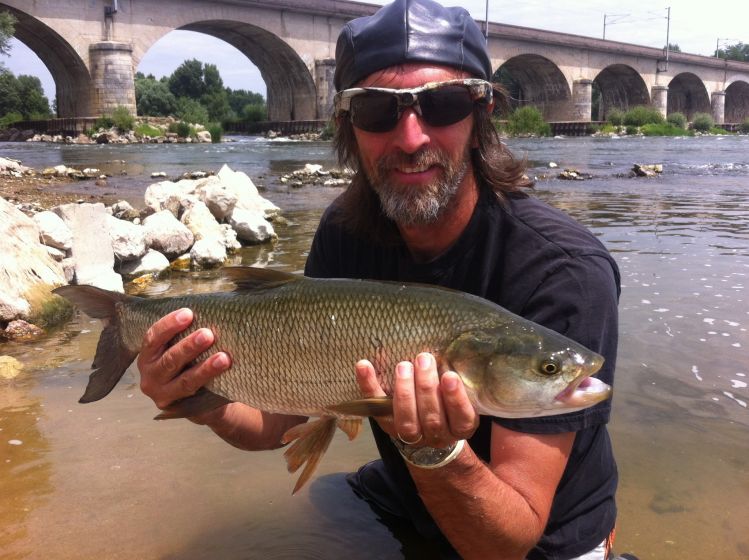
x=673 y=47
x=240 y=98
x=23 y=95
x=187 y=80
x=739 y=51
x=191 y=111
x=7 y=28
x=153 y=98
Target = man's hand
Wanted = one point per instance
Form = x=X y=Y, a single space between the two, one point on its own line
x=427 y=409
x=164 y=375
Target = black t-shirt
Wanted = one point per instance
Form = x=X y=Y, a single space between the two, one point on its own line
x=540 y=264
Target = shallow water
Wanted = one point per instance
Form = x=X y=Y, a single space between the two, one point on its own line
x=104 y=480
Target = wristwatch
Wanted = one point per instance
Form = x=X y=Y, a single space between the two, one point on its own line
x=428 y=457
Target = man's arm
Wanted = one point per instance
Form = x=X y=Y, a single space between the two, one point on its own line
x=165 y=377
x=497 y=510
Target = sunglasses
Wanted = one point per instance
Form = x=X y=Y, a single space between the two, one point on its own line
x=437 y=103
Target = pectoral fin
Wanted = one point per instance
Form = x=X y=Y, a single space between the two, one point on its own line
x=311 y=440
x=375 y=406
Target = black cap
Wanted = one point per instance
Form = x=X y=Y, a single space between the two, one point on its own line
x=410 y=31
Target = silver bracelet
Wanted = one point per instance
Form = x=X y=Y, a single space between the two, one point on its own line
x=429 y=457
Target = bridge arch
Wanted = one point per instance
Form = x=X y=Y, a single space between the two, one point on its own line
x=291 y=92
x=73 y=82
x=536 y=80
x=687 y=94
x=737 y=102
x=621 y=87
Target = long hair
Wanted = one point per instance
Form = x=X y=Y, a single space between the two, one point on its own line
x=494 y=166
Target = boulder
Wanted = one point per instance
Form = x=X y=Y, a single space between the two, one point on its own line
x=208 y=252
x=53 y=231
x=152 y=262
x=219 y=197
x=166 y=234
x=128 y=240
x=167 y=195
x=19 y=330
x=92 y=250
x=230 y=238
x=251 y=226
x=28 y=272
x=124 y=211
x=10 y=367
x=248 y=197
x=204 y=136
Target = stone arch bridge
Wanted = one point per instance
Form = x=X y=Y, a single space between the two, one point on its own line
x=92 y=48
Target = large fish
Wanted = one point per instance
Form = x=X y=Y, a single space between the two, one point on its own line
x=294 y=342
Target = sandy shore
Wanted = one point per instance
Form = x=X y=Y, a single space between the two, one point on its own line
x=48 y=192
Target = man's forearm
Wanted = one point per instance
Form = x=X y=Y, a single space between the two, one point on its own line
x=247 y=428
x=482 y=516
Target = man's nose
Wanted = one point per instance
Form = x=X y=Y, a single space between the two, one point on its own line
x=410 y=134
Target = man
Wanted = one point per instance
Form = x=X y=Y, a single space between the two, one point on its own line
x=438 y=199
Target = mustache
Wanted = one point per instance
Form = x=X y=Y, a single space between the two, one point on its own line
x=425 y=157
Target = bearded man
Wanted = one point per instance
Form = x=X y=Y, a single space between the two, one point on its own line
x=438 y=199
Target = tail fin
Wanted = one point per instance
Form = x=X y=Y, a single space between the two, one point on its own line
x=112 y=356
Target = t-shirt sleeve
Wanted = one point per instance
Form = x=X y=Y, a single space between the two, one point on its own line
x=578 y=299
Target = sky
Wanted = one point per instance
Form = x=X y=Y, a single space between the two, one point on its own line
x=693 y=26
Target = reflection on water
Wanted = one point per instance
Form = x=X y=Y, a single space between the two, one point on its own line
x=103 y=480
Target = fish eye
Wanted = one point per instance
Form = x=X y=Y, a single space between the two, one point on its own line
x=550 y=367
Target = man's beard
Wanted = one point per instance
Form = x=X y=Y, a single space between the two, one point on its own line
x=411 y=205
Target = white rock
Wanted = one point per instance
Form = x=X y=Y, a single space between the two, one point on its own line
x=56 y=254
x=53 y=231
x=26 y=266
x=200 y=221
x=167 y=195
x=208 y=252
x=157 y=174
x=251 y=226
x=166 y=234
x=230 y=238
x=248 y=197
x=152 y=262
x=204 y=136
x=92 y=248
x=219 y=197
x=128 y=239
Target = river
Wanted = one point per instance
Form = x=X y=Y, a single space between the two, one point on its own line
x=105 y=481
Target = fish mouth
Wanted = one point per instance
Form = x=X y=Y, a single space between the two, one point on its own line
x=583 y=392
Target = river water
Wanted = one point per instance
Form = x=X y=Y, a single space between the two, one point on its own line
x=105 y=481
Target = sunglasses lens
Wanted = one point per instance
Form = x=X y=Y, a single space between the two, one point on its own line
x=374 y=112
x=446 y=105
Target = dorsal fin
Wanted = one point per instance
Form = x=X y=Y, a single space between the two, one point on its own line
x=250 y=278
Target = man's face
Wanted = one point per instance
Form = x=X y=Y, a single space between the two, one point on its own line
x=416 y=169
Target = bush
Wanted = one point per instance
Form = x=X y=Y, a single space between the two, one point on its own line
x=106 y=122
x=632 y=130
x=664 y=129
x=10 y=118
x=183 y=129
x=145 y=129
x=216 y=132
x=640 y=115
x=702 y=122
x=615 y=117
x=122 y=119
x=528 y=120
x=191 y=111
x=255 y=112
x=677 y=119
x=744 y=126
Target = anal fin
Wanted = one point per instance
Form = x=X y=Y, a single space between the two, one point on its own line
x=311 y=440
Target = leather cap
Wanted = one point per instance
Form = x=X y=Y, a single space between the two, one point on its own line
x=410 y=31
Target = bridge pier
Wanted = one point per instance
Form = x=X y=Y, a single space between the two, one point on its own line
x=111 y=65
x=582 y=100
x=659 y=99
x=718 y=103
x=324 y=71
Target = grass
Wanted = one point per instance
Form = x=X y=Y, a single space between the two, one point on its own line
x=664 y=129
x=145 y=129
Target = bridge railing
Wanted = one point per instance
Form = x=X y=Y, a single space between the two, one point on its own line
x=67 y=127
x=284 y=127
